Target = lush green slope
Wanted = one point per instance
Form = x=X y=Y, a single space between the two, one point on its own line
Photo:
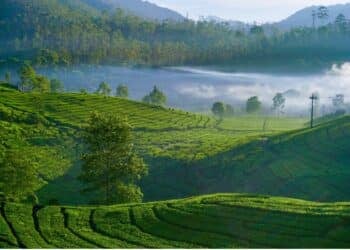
x=215 y=221
x=187 y=154
x=50 y=125
x=309 y=164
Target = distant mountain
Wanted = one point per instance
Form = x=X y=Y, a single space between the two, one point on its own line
x=139 y=8
x=304 y=17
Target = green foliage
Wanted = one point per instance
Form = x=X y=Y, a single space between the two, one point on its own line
x=278 y=103
x=110 y=164
x=218 y=109
x=32 y=82
x=50 y=38
x=18 y=175
x=122 y=91
x=56 y=86
x=104 y=89
x=156 y=97
x=253 y=105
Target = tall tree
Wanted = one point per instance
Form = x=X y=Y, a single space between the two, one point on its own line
x=279 y=102
x=323 y=14
x=110 y=164
x=104 y=89
x=341 y=22
x=27 y=77
x=338 y=101
x=156 y=97
x=32 y=82
x=218 y=109
x=122 y=91
x=253 y=105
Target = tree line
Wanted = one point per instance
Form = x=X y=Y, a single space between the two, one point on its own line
x=51 y=33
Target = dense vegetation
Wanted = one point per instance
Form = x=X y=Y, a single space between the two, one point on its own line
x=187 y=154
x=215 y=221
x=50 y=125
x=51 y=32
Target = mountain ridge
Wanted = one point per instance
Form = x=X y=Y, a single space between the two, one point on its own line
x=140 y=8
x=303 y=17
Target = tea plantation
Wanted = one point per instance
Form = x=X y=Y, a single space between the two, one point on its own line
x=214 y=221
x=50 y=125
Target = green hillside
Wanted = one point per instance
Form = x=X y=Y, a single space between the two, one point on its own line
x=309 y=164
x=50 y=125
x=215 y=221
x=188 y=154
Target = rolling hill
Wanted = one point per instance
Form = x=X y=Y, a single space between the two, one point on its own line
x=303 y=18
x=309 y=164
x=188 y=154
x=169 y=140
x=214 y=221
x=140 y=8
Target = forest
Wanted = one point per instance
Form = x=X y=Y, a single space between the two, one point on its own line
x=61 y=33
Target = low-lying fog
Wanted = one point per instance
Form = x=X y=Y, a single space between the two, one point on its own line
x=196 y=89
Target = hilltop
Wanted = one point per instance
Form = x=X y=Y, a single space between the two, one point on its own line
x=215 y=221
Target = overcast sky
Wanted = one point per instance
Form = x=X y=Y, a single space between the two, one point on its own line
x=243 y=10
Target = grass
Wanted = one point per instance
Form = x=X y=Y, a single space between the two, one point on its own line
x=211 y=221
x=188 y=154
x=166 y=138
x=262 y=124
x=308 y=164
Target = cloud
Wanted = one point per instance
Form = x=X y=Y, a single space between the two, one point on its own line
x=199 y=91
x=238 y=87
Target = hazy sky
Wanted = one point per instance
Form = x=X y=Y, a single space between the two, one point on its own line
x=244 y=10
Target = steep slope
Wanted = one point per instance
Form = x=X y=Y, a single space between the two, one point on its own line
x=215 y=221
x=303 y=18
x=309 y=164
x=139 y=8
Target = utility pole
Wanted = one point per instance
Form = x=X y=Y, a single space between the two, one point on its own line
x=313 y=98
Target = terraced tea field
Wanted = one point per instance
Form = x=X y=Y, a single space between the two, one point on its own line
x=215 y=221
x=74 y=110
x=188 y=154
x=51 y=123
x=310 y=164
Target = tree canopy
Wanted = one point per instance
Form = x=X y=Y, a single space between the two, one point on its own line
x=218 y=109
x=104 y=89
x=278 y=103
x=156 y=97
x=110 y=164
x=253 y=105
x=122 y=91
x=55 y=33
